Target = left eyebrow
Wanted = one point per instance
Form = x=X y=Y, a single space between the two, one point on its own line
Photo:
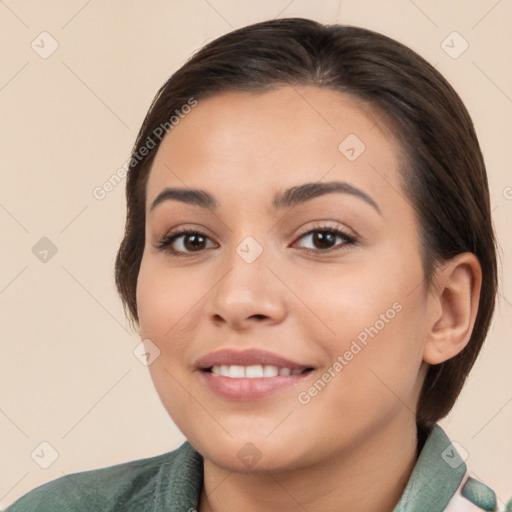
x=305 y=192
x=290 y=197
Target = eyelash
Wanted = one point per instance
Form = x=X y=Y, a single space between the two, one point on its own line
x=165 y=243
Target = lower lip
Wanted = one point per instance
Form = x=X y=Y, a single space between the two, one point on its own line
x=245 y=390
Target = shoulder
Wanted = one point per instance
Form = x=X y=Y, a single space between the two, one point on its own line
x=440 y=480
x=126 y=486
x=472 y=495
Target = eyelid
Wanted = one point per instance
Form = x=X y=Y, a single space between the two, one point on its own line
x=327 y=225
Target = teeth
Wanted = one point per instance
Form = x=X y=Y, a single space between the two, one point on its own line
x=270 y=371
x=252 y=372
x=236 y=372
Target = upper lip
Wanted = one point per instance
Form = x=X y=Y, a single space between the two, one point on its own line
x=247 y=357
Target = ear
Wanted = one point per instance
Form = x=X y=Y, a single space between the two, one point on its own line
x=452 y=307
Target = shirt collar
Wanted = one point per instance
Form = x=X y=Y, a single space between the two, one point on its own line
x=434 y=480
x=180 y=482
x=436 y=475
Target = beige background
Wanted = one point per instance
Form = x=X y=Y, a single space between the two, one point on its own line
x=68 y=374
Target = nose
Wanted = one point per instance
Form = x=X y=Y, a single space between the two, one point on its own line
x=248 y=294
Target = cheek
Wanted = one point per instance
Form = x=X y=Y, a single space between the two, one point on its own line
x=346 y=300
x=374 y=320
x=165 y=299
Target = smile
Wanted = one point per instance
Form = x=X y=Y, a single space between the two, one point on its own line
x=252 y=372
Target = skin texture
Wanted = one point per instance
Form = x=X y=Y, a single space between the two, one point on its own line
x=353 y=445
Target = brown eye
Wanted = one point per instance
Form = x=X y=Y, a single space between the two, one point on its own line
x=184 y=242
x=324 y=239
x=194 y=242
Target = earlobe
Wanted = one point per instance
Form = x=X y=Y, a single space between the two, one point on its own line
x=453 y=306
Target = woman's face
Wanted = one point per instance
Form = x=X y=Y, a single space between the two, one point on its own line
x=266 y=285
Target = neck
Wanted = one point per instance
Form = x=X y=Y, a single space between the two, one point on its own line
x=370 y=476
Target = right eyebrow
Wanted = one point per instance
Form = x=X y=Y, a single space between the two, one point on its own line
x=185 y=195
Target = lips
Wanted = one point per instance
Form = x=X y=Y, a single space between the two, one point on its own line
x=248 y=358
x=250 y=374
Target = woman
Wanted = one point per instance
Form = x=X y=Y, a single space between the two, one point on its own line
x=310 y=260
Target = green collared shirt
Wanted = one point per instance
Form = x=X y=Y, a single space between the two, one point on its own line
x=172 y=482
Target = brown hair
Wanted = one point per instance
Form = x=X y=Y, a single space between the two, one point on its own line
x=444 y=176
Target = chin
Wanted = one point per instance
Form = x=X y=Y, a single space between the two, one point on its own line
x=246 y=452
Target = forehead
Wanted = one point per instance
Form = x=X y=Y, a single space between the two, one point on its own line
x=264 y=142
